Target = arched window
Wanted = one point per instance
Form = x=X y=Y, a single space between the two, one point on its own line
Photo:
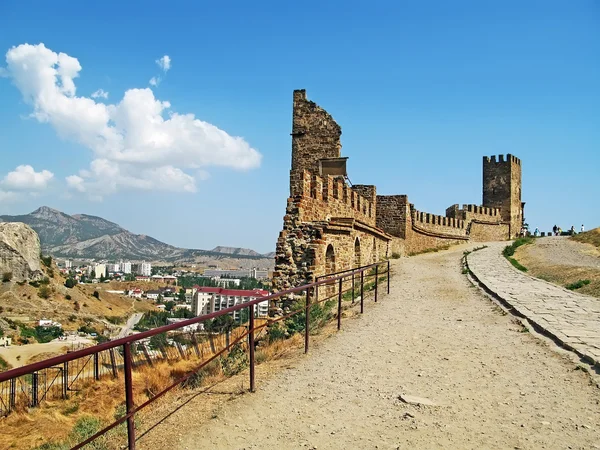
x=329 y=259
x=357 y=253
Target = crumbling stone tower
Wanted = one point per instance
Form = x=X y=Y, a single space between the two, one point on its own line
x=502 y=189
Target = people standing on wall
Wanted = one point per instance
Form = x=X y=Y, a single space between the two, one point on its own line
x=582 y=228
x=572 y=230
x=536 y=232
x=555 y=230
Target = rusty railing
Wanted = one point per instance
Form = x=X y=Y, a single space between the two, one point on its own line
x=196 y=338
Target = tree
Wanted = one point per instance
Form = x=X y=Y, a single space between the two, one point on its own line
x=181 y=295
x=70 y=283
x=169 y=305
x=94 y=274
x=102 y=278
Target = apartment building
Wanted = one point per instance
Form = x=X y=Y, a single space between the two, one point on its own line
x=207 y=300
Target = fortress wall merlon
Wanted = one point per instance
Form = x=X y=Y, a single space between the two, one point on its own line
x=325 y=197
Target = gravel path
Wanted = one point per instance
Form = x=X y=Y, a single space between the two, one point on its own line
x=436 y=336
x=562 y=251
x=572 y=318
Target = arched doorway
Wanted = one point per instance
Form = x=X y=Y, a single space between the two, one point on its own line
x=329 y=259
x=357 y=253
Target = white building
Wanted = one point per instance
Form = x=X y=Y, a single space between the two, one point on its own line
x=125 y=267
x=144 y=269
x=212 y=299
x=113 y=268
x=97 y=269
x=68 y=264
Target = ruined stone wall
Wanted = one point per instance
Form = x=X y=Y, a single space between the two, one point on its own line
x=360 y=227
x=315 y=135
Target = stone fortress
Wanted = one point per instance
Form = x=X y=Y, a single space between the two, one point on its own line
x=331 y=225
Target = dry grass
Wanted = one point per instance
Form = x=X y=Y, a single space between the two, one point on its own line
x=561 y=275
x=53 y=421
x=589 y=237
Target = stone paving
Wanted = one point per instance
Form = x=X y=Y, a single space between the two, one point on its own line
x=571 y=319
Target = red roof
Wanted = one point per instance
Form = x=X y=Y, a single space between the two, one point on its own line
x=234 y=292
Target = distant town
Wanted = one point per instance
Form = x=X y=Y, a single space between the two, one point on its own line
x=197 y=291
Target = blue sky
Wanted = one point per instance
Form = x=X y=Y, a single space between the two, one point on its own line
x=422 y=92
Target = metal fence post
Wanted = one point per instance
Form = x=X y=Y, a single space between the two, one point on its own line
x=12 y=395
x=339 y=317
x=362 y=291
x=388 y=276
x=129 y=395
x=353 y=277
x=376 y=280
x=96 y=366
x=65 y=374
x=307 y=319
x=251 y=346
x=34 y=389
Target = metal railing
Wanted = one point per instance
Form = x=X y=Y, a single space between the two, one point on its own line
x=55 y=378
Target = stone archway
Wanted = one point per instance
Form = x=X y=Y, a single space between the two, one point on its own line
x=329 y=260
x=357 y=252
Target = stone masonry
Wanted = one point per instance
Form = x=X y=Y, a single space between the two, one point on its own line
x=331 y=225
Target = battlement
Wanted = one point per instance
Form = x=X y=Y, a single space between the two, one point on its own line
x=482 y=210
x=420 y=218
x=325 y=197
x=509 y=159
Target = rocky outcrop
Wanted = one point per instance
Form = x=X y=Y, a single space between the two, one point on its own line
x=20 y=252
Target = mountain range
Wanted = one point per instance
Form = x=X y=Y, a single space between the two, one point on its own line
x=90 y=237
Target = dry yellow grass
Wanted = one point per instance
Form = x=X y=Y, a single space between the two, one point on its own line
x=561 y=275
x=589 y=237
x=54 y=420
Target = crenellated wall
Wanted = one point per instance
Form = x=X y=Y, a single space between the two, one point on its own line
x=331 y=225
x=327 y=197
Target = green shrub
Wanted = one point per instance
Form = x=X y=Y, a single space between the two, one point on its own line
x=70 y=282
x=6 y=277
x=68 y=297
x=46 y=260
x=577 y=285
x=44 y=292
x=395 y=255
x=517 y=265
x=96 y=294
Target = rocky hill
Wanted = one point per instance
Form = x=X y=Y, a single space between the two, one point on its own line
x=19 y=252
x=84 y=236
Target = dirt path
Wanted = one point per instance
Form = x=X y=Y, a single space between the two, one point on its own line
x=437 y=337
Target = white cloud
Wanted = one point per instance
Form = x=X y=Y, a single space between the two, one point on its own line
x=154 y=81
x=8 y=196
x=25 y=178
x=137 y=143
x=164 y=63
x=100 y=93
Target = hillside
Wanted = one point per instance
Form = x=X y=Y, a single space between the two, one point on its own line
x=589 y=237
x=90 y=237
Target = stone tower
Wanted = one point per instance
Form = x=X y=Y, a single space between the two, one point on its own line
x=502 y=189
